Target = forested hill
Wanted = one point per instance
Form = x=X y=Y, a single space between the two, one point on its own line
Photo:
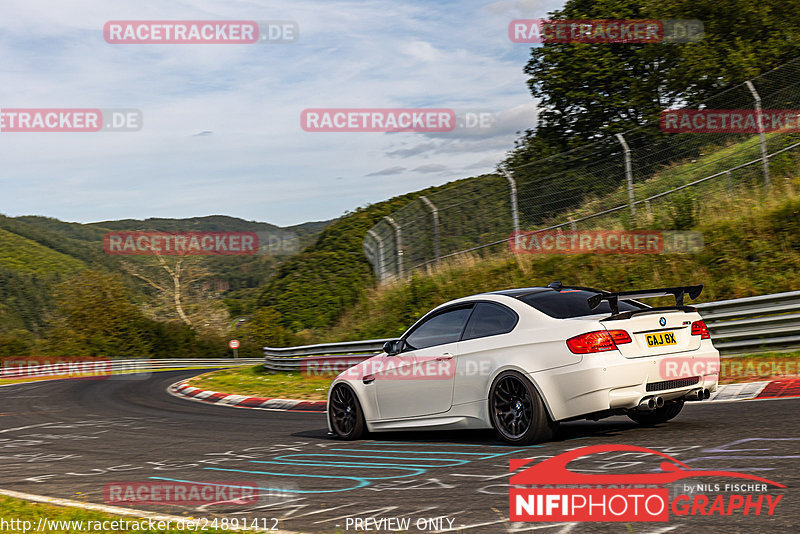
x=37 y=253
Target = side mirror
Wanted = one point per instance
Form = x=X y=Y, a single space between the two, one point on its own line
x=391 y=347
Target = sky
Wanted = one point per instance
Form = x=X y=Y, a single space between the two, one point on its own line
x=221 y=130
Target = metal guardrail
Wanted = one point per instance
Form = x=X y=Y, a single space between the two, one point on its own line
x=293 y=358
x=198 y=363
x=347 y=347
x=754 y=323
x=748 y=324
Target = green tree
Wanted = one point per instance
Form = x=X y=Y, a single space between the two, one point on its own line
x=264 y=330
x=96 y=317
x=588 y=91
x=16 y=343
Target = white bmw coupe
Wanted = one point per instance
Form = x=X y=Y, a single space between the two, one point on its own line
x=522 y=360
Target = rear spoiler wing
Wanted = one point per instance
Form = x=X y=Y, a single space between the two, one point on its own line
x=613 y=298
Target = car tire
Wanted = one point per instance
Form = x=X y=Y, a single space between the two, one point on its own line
x=659 y=415
x=517 y=412
x=344 y=413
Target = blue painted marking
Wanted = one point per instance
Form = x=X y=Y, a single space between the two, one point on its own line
x=433 y=444
x=409 y=466
x=373 y=465
x=361 y=482
x=416 y=472
x=457 y=461
x=410 y=452
x=201 y=483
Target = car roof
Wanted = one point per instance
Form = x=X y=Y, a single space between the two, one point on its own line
x=520 y=291
x=514 y=293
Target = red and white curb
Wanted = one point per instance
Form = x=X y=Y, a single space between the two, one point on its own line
x=767 y=389
x=183 y=390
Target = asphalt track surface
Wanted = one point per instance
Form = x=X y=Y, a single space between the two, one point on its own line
x=69 y=438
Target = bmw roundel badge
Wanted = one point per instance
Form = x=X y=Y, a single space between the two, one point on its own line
x=662 y=321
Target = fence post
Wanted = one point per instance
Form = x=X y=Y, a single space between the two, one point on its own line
x=761 y=137
x=399 y=239
x=628 y=175
x=435 y=213
x=512 y=184
x=380 y=266
x=368 y=247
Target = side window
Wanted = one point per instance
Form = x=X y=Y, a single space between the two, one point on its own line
x=490 y=320
x=442 y=328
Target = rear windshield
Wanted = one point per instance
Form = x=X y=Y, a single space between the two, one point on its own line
x=572 y=303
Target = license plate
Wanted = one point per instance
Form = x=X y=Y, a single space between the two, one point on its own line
x=661 y=339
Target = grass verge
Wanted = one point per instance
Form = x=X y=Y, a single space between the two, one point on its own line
x=762 y=366
x=258 y=382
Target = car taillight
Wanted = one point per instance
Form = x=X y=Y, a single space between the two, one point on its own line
x=598 y=341
x=699 y=328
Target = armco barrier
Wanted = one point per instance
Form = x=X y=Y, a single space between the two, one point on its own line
x=754 y=323
x=292 y=358
x=750 y=324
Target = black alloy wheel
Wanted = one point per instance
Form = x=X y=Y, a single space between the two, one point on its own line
x=344 y=411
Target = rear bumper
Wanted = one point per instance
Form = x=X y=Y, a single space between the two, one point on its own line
x=609 y=381
x=630 y=397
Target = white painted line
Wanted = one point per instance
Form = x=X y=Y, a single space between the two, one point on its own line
x=115 y=510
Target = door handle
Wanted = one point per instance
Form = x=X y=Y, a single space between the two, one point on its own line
x=444 y=357
x=368 y=379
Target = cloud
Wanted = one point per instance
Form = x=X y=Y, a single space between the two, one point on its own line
x=223 y=121
x=387 y=172
x=430 y=168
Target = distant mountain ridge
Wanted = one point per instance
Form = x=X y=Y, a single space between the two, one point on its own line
x=37 y=252
x=208 y=223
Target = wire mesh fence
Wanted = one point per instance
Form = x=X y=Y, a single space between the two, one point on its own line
x=611 y=183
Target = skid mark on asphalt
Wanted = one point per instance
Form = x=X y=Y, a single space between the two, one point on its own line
x=346 y=467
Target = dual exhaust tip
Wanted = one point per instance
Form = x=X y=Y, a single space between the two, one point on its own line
x=648 y=404
x=698 y=394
